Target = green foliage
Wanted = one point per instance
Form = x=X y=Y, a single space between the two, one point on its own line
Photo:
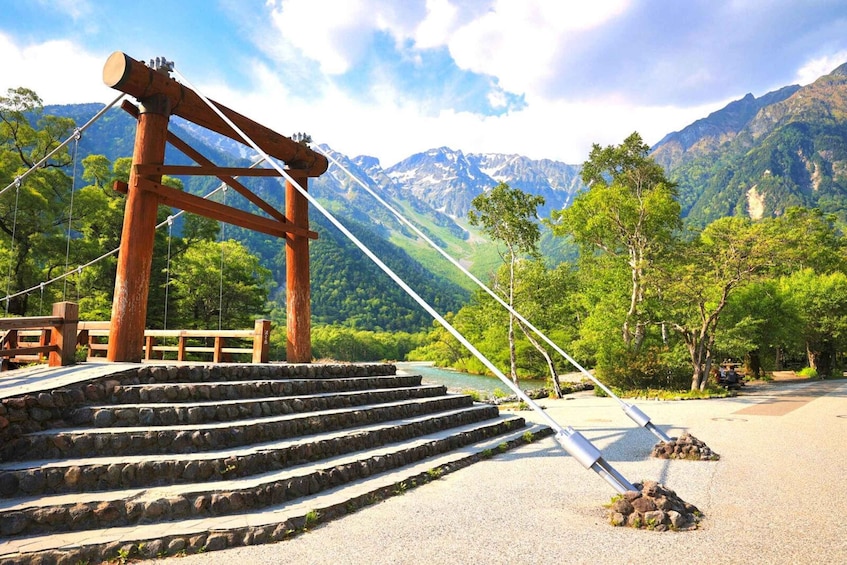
x=821 y=303
x=312 y=518
x=506 y=214
x=807 y=373
x=201 y=297
x=347 y=344
x=348 y=288
x=33 y=215
x=650 y=368
x=474 y=394
x=629 y=214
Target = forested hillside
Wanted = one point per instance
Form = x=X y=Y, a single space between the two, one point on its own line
x=787 y=149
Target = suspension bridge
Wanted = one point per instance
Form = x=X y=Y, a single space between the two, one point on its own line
x=176 y=456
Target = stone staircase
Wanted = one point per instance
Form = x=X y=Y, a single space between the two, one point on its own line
x=162 y=460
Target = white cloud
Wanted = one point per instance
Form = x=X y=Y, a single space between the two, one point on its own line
x=435 y=29
x=392 y=129
x=816 y=68
x=519 y=41
x=60 y=72
x=76 y=9
x=335 y=34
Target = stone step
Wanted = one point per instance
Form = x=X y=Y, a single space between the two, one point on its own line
x=151 y=374
x=95 y=510
x=272 y=523
x=89 y=474
x=38 y=406
x=198 y=412
x=231 y=390
x=79 y=442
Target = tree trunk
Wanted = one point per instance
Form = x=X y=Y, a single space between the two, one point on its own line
x=753 y=363
x=513 y=361
x=692 y=352
x=554 y=375
x=779 y=359
x=821 y=359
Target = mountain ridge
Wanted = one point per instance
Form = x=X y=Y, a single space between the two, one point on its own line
x=791 y=152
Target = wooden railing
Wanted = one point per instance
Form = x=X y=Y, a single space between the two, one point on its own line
x=181 y=345
x=33 y=338
x=55 y=338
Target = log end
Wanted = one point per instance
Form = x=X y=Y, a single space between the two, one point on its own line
x=116 y=69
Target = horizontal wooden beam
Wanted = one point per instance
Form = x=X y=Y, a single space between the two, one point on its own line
x=198 y=158
x=125 y=74
x=31 y=323
x=27 y=350
x=204 y=170
x=210 y=209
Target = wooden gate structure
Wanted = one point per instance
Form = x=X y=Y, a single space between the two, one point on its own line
x=159 y=96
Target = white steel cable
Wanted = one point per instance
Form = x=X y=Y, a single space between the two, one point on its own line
x=170 y=222
x=12 y=242
x=631 y=410
x=571 y=440
x=77 y=136
x=221 y=277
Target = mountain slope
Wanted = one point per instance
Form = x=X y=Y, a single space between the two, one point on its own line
x=706 y=135
x=792 y=152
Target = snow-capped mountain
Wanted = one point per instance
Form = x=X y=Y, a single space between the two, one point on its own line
x=441 y=183
x=448 y=180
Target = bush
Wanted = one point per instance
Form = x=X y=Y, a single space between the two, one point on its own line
x=807 y=373
x=648 y=370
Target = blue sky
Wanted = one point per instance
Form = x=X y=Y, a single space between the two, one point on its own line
x=542 y=78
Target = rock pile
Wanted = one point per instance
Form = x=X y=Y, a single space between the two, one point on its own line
x=653 y=507
x=685 y=446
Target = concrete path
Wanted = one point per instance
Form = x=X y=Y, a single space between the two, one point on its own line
x=776 y=496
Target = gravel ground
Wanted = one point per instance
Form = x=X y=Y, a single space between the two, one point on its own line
x=775 y=496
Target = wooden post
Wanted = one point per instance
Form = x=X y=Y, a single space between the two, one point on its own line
x=261 y=341
x=298 y=292
x=149 y=344
x=44 y=339
x=63 y=336
x=132 y=284
x=217 y=355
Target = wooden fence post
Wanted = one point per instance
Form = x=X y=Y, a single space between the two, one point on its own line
x=261 y=341
x=217 y=355
x=63 y=336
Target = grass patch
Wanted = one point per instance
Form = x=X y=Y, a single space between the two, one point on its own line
x=661 y=394
x=474 y=394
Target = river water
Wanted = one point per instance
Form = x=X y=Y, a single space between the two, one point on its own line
x=459 y=381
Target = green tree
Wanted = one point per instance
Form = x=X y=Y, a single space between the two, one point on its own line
x=820 y=301
x=807 y=238
x=201 y=298
x=33 y=214
x=758 y=325
x=629 y=212
x=508 y=216
x=542 y=296
x=697 y=283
